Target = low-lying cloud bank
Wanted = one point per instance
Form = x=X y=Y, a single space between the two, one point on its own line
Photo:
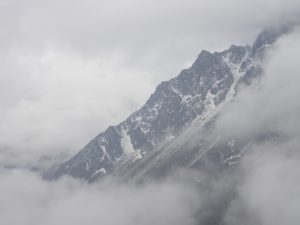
x=268 y=192
x=27 y=199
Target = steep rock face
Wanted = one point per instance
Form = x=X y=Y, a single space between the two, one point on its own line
x=152 y=136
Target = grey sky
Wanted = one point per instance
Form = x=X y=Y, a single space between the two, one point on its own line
x=68 y=69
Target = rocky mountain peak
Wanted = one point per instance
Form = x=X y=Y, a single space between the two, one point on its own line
x=196 y=94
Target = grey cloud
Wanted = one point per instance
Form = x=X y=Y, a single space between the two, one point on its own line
x=68 y=69
x=267 y=192
x=62 y=101
x=270 y=106
x=26 y=199
x=71 y=90
x=71 y=68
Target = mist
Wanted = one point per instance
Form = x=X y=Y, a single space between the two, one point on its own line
x=267 y=192
x=69 y=69
x=28 y=199
x=270 y=106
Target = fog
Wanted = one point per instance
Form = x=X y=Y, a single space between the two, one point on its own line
x=268 y=192
x=27 y=199
x=272 y=105
x=69 y=69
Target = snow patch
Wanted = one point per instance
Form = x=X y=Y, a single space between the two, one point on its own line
x=100 y=171
x=105 y=153
x=128 y=149
x=237 y=73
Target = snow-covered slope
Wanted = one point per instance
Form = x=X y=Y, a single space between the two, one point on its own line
x=155 y=138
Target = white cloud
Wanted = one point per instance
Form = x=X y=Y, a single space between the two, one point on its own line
x=267 y=193
x=68 y=69
x=271 y=106
x=65 y=100
x=26 y=199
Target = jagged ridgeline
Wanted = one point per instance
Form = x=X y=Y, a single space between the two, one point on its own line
x=157 y=138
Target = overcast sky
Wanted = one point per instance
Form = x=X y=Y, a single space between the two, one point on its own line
x=68 y=69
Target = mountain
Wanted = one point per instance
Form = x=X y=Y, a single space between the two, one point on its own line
x=175 y=128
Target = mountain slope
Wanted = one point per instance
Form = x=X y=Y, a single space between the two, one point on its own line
x=153 y=137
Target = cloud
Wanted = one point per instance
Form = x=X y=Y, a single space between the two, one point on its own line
x=270 y=107
x=27 y=199
x=268 y=193
x=63 y=100
x=71 y=68
x=267 y=190
x=95 y=25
